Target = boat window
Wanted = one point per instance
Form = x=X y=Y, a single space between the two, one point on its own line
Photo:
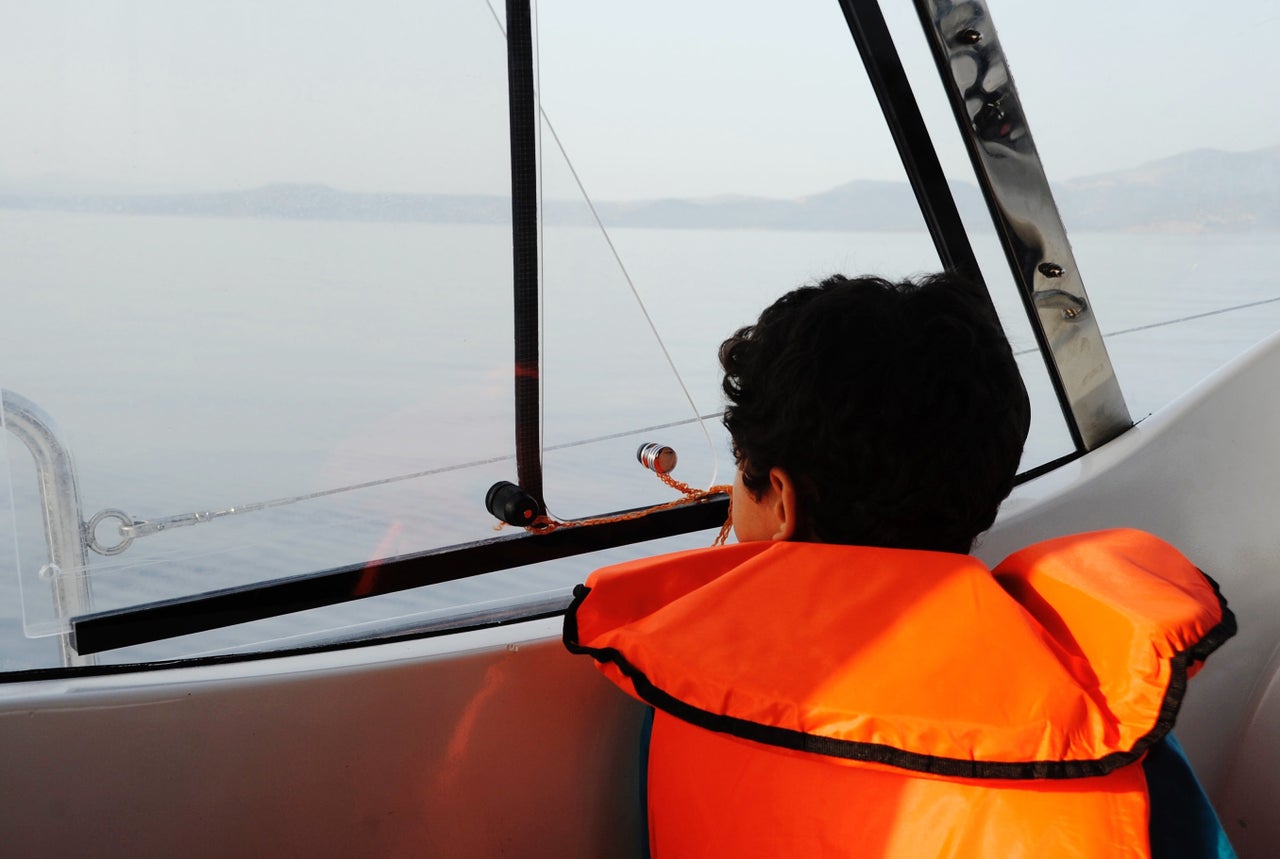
x=259 y=271
x=1165 y=172
x=718 y=185
x=253 y=254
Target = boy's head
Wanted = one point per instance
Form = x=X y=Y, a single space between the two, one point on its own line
x=894 y=412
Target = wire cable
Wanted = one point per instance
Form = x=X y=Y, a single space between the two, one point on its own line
x=1190 y=318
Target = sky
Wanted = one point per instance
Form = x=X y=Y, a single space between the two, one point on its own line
x=665 y=98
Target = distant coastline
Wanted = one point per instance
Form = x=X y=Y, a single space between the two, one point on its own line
x=1205 y=191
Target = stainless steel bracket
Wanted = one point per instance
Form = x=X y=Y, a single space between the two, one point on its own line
x=994 y=127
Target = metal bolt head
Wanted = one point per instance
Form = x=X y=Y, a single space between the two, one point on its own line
x=969 y=37
x=1070 y=313
x=1051 y=269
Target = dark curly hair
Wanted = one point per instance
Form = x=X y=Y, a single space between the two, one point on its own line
x=896 y=408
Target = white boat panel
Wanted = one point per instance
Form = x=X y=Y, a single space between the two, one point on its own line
x=495 y=743
x=1247 y=799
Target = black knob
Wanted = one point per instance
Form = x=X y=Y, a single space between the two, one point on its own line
x=511 y=504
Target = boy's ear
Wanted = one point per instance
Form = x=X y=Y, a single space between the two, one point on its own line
x=782 y=499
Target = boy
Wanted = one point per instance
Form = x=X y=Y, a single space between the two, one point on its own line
x=847 y=680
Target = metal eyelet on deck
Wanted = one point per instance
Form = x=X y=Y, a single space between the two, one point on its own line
x=91 y=536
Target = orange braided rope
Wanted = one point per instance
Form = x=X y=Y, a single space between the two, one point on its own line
x=545 y=524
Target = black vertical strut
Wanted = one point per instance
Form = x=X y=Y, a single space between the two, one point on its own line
x=524 y=243
x=898 y=103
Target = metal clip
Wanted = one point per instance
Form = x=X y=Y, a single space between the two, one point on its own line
x=131 y=529
x=146 y=527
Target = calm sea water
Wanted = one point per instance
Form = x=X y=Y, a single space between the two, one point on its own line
x=202 y=364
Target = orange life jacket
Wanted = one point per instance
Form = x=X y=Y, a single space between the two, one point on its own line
x=841 y=700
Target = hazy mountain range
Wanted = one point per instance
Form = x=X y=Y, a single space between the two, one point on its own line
x=1201 y=191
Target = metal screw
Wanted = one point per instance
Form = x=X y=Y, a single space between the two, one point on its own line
x=1051 y=269
x=969 y=37
x=1070 y=313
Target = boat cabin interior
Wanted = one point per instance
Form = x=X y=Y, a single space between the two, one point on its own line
x=300 y=476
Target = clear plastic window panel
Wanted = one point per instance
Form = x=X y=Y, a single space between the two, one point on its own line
x=727 y=159
x=257 y=268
